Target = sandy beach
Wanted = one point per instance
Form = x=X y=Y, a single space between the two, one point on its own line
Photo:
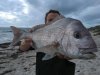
x=14 y=63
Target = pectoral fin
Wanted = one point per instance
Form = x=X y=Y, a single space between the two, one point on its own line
x=47 y=57
x=50 y=51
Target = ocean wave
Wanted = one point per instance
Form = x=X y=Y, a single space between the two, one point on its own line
x=5 y=37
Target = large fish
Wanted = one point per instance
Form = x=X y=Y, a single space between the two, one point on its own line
x=74 y=39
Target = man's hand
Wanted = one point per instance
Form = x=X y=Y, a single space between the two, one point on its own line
x=25 y=44
x=26 y=41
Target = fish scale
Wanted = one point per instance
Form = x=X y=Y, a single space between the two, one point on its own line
x=70 y=33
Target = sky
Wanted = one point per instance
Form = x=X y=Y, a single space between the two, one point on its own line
x=28 y=13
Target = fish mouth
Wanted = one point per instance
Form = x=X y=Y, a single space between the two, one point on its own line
x=88 y=53
x=87 y=50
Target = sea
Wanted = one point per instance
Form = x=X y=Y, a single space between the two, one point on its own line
x=6 y=34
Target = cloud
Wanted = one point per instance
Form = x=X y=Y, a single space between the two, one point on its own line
x=27 y=13
x=89 y=16
x=25 y=9
x=91 y=12
x=86 y=11
x=7 y=16
x=14 y=12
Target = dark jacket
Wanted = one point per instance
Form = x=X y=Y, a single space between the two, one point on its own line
x=54 y=66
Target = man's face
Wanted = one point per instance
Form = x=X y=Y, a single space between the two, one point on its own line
x=51 y=17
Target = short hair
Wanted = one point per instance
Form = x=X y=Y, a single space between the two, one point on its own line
x=51 y=11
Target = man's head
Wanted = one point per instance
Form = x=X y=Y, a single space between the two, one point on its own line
x=51 y=15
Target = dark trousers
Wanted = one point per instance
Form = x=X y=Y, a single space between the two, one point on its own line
x=54 y=66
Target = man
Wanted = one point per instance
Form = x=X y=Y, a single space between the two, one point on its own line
x=55 y=66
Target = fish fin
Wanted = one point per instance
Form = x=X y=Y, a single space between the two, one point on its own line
x=47 y=57
x=50 y=50
x=17 y=34
x=15 y=30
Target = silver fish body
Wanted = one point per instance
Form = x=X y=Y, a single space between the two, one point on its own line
x=74 y=39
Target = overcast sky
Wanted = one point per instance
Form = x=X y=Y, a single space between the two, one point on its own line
x=27 y=13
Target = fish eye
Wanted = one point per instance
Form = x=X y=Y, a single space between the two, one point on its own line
x=77 y=35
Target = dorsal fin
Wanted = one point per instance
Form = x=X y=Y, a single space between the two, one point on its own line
x=15 y=30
